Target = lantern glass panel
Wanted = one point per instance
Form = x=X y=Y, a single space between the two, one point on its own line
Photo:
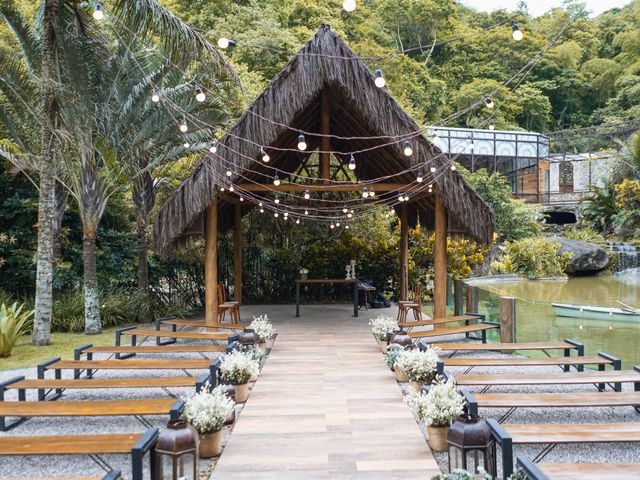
x=186 y=465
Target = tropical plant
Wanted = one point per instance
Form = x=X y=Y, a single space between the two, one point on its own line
x=208 y=409
x=263 y=327
x=420 y=366
x=599 y=207
x=460 y=474
x=238 y=367
x=440 y=406
x=14 y=322
x=533 y=258
x=627 y=218
x=382 y=325
x=584 y=234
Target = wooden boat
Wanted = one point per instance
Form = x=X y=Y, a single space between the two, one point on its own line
x=596 y=313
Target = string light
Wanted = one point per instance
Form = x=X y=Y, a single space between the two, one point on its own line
x=408 y=151
x=186 y=144
x=306 y=212
x=349 y=215
x=276 y=215
x=401 y=198
x=492 y=126
x=231 y=189
x=222 y=189
x=242 y=199
x=436 y=138
x=200 y=95
x=352 y=163
x=344 y=209
x=184 y=128
x=297 y=221
x=98 y=14
x=372 y=193
x=224 y=42
x=286 y=214
x=155 y=98
x=214 y=147
x=302 y=145
x=433 y=169
x=307 y=195
x=453 y=167
x=346 y=227
x=488 y=101
x=276 y=180
x=260 y=204
x=332 y=226
x=261 y=210
x=337 y=224
x=229 y=172
x=277 y=200
x=419 y=178
x=471 y=146
x=349 y=5
x=265 y=155
x=516 y=33
x=365 y=192
x=379 y=80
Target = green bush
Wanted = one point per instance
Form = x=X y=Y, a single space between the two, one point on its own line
x=585 y=234
x=533 y=258
x=14 y=322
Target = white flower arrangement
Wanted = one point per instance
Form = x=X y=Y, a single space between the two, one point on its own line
x=238 y=367
x=208 y=410
x=381 y=325
x=440 y=406
x=394 y=352
x=256 y=353
x=420 y=366
x=263 y=327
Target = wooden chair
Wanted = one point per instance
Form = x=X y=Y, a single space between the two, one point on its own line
x=415 y=304
x=224 y=306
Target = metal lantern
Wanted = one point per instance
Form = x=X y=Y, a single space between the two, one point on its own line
x=401 y=338
x=471 y=445
x=248 y=338
x=176 y=452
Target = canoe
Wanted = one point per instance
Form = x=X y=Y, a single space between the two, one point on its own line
x=596 y=313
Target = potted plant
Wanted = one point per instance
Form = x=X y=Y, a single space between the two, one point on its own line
x=238 y=368
x=259 y=355
x=208 y=411
x=438 y=409
x=264 y=328
x=420 y=366
x=394 y=351
x=381 y=326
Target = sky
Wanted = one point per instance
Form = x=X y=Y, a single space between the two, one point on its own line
x=538 y=7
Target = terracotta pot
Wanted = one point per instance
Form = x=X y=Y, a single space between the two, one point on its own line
x=417 y=386
x=210 y=444
x=438 y=438
x=254 y=378
x=400 y=375
x=383 y=346
x=242 y=392
x=263 y=345
x=231 y=419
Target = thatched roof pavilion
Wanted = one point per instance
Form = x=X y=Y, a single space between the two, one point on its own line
x=324 y=89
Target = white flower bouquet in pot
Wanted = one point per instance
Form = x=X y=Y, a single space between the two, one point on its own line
x=263 y=328
x=208 y=411
x=438 y=408
x=381 y=326
x=419 y=366
x=394 y=352
x=238 y=368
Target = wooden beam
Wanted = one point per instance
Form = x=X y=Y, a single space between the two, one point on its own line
x=237 y=253
x=325 y=145
x=211 y=263
x=404 y=252
x=343 y=187
x=440 y=261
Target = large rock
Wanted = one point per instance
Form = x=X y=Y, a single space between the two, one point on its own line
x=585 y=258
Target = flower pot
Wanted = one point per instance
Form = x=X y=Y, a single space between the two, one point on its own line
x=231 y=419
x=210 y=444
x=383 y=346
x=254 y=378
x=242 y=392
x=417 y=386
x=400 y=375
x=438 y=438
x=263 y=345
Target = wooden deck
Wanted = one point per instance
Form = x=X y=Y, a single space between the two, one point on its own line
x=326 y=407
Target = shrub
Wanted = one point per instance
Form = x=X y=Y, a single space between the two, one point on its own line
x=599 y=208
x=585 y=234
x=533 y=258
x=440 y=406
x=420 y=366
x=627 y=202
x=238 y=367
x=208 y=410
x=13 y=324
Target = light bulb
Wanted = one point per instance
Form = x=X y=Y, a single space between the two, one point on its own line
x=224 y=42
x=186 y=144
x=276 y=180
x=222 y=189
x=471 y=146
x=276 y=215
x=98 y=14
x=406 y=198
x=262 y=210
x=516 y=33
x=453 y=167
x=184 y=127
x=265 y=155
x=155 y=98
x=337 y=224
x=214 y=147
x=379 y=80
x=306 y=212
x=349 y=215
x=286 y=214
x=365 y=192
x=231 y=189
x=307 y=195
x=433 y=169
x=419 y=178
x=488 y=101
x=492 y=126
x=372 y=193
x=200 y=95
x=352 y=210
x=332 y=226
x=352 y=163
x=346 y=227
x=302 y=145
x=277 y=200
x=345 y=209
x=349 y=5
x=259 y=204
x=229 y=173
x=401 y=198
x=297 y=221
x=242 y=199
x=436 y=138
x=408 y=151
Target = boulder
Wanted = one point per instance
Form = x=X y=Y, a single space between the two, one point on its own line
x=586 y=258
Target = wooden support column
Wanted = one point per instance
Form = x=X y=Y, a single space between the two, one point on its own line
x=211 y=263
x=404 y=252
x=325 y=144
x=507 y=319
x=237 y=253
x=440 y=261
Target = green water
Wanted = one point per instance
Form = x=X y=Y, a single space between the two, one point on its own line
x=536 y=320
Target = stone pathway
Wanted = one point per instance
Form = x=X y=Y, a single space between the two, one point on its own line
x=325 y=407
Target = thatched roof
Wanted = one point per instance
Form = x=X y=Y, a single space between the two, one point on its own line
x=357 y=108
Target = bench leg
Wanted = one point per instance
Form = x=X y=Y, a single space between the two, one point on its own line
x=22 y=396
x=161 y=342
x=41 y=369
x=119 y=332
x=143 y=446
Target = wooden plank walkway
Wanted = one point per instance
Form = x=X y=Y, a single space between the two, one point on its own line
x=326 y=408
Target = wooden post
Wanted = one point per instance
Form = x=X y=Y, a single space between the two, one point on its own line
x=440 y=261
x=325 y=144
x=211 y=263
x=237 y=253
x=507 y=319
x=472 y=299
x=458 y=302
x=404 y=252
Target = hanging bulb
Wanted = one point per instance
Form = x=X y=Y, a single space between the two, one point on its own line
x=297 y=221
x=231 y=189
x=516 y=33
x=277 y=200
x=433 y=169
x=302 y=145
x=352 y=163
x=265 y=155
x=276 y=215
x=261 y=210
x=488 y=101
x=200 y=95
x=259 y=204
x=306 y=212
x=352 y=210
x=332 y=226
x=242 y=199
x=471 y=146
x=349 y=215
x=98 y=14
x=276 y=180
x=492 y=126
x=224 y=42
x=372 y=193
x=186 y=144
x=436 y=138
x=379 y=80
x=453 y=167
x=222 y=189
x=155 y=97
x=365 y=192
x=344 y=209
x=286 y=214
x=307 y=195
x=401 y=198
x=214 y=146
x=406 y=198
x=346 y=227
x=183 y=126
x=229 y=173
x=419 y=178
x=408 y=151
x=349 y=5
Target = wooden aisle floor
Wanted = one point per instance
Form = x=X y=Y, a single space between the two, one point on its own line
x=325 y=408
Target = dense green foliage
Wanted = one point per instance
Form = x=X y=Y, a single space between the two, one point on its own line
x=533 y=258
x=15 y=321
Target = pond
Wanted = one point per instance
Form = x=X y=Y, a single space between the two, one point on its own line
x=536 y=320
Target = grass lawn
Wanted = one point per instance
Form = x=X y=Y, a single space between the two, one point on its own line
x=62 y=344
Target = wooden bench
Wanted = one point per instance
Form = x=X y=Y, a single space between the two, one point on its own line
x=583 y=471
x=615 y=378
x=90 y=408
x=110 y=475
x=552 y=434
x=567 y=345
x=481 y=327
x=463 y=319
x=88 y=350
x=137 y=444
x=174 y=323
x=548 y=400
